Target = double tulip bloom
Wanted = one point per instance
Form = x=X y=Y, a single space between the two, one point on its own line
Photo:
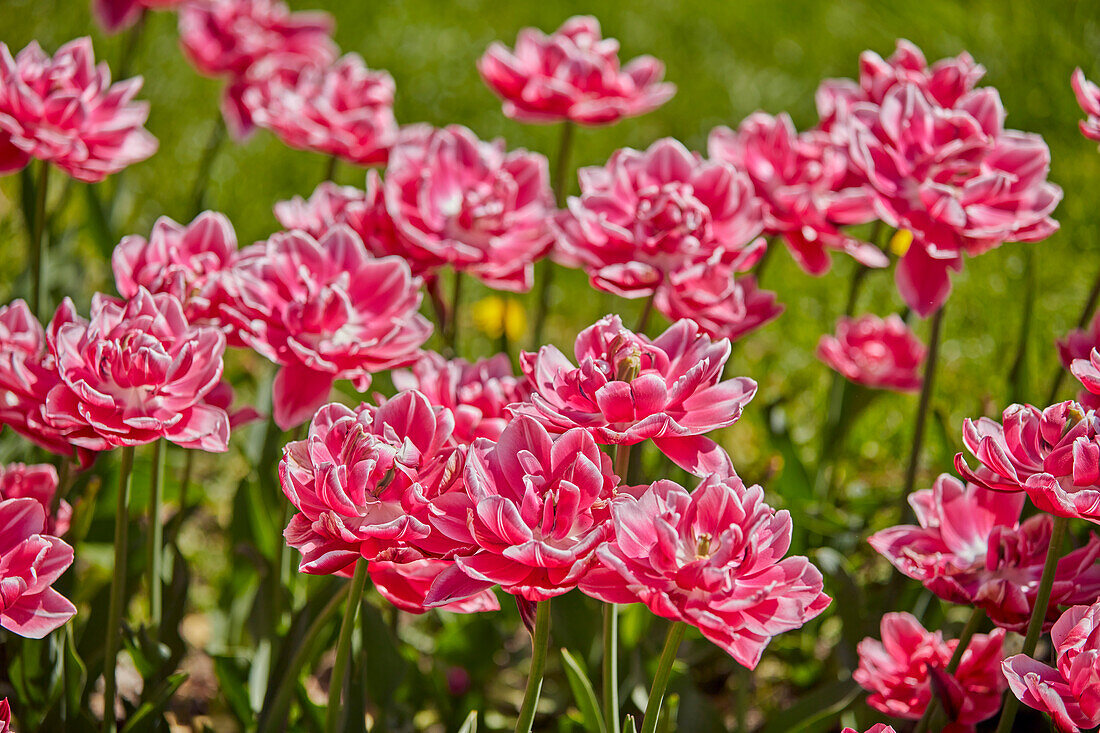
x=324 y=310
x=1077 y=345
x=64 y=110
x=135 y=372
x=972 y=549
x=345 y=109
x=456 y=200
x=1052 y=454
x=626 y=388
x=117 y=15
x=572 y=74
x=721 y=305
x=1088 y=96
x=933 y=151
x=649 y=214
x=713 y=558
x=881 y=353
x=898 y=671
x=38 y=482
x=805 y=187
x=1069 y=692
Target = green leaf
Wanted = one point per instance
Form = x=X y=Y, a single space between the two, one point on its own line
x=233 y=681
x=99 y=222
x=470 y=724
x=583 y=693
x=628 y=725
x=147 y=715
x=814 y=711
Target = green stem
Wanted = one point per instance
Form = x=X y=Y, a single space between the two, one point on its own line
x=274 y=716
x=330 y=168
x=546 y=267
x=36 y=245
x=1086 y=314
x=343 y=647
x=206 y=162
x=972 y=624
x=156 y=533
x=660 y=680
x=647 y=311
x=922 y=411
x=452 y=322
x=611 y=667
x=539 y=643
x=1038 y=614
x=118 y=589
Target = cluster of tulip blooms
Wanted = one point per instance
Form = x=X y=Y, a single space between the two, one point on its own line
x=472 y=478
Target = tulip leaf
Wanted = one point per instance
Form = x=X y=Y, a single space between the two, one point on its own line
x=146 y=716
x=814 y=711
x=583 y=693
x=628 y=725
x=470 y=724
x=233 y=684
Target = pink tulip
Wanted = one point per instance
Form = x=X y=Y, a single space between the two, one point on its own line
x=404 y=576
x=1078 y=345
x=27 y=374
x=971 y=549
x=803 y=183
x=192 y=263
x=572 y=74
x=324 y=310
x=946 y=81
x=5 y=716
x=723 y=306
x=877 y=728
x=646 y=215
x=362 y=481
x=1088 y=96
x=227 y=37
x=538 y=508
x=898 y=671
x=116 y=15
x=476 y=393
x=64 y=110
x=1087 y=371
x=954 y=178
x=627 y=389
x=712 y=558
x=135 y=372
x=1053 y=455
x=363 y=211
x=882 y=353
x=458 y=201
x=30 y=562
x=345 y=109
x=38 y=482
x=1069 y=692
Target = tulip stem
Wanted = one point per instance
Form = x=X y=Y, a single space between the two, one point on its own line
x=452 y=320
x=343 y=647
x=1038 y=614
x=206 y=162
x=922 y=411
x=156 y=533
x=546 y=267
x=664 y=671
x=1082 y=320
x=972 y=624
x=118 y=588
x=330 y=168
x=540 y=641
x=611 y=667
x=35 y=245
x=647 y=311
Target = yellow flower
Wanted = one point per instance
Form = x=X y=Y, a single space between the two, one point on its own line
x=493 y=314
x=900 y=242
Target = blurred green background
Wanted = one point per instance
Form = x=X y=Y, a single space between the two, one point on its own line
x=728 y=59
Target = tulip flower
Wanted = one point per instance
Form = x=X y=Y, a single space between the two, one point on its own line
x=116 y=15
x=64 y=110
x=572 y=74
x=881 y=353
x=627 y=388
x=1069 y=692
x=404 y=576
x=30 y=562
x=898 y=671
x=1078 y=345
x=723 y=306
x=38 y=482
x=712 y=558
x=1088 y=96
